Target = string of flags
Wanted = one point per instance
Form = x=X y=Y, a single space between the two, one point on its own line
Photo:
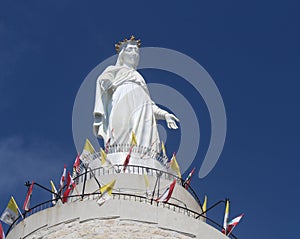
x=67 y=185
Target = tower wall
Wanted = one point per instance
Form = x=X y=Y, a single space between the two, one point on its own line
x=128 y=214
x=116 y=218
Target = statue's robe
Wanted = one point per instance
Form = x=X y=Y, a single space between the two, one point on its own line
x=123 y=105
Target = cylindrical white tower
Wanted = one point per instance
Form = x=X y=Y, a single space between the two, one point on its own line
x=131 y=211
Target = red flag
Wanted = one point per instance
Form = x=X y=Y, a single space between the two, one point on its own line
x=107 y=145
x=187 y=182
x=76 y=165
x=233 y=223
x=70 y=186
x=126 y=162
x=167 y=194
x=66 y=195
x=72 y=183
x=26 y=204
x=63 y=178
x=2 y=235
x=68 y=180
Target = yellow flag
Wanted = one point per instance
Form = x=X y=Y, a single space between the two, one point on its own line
x=163 y=149
x=108 y=188
x=146 y=181
x=11 y=212
x=174 y=165
x=54 y=192
x=204 y=204
x=53 y=188
x=12 y=205
x=88 y=147
x=226 y=215
x=133 y=140
x=103 y=156
x=204 y=207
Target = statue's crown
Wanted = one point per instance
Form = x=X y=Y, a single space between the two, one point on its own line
x=126 y=41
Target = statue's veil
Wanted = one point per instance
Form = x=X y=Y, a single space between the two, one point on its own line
x=120 y=58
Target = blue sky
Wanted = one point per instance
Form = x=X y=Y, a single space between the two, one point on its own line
x=251 y=50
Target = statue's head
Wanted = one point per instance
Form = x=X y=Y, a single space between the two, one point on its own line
x=128 y=52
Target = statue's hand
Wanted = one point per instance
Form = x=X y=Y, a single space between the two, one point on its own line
x=97 y=118
x=171 y=121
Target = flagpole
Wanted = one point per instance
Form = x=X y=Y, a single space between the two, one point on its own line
x=226 y=216
x=158 y=176
x=17 y=207
x=149 y=149
x=231 y=230
x=20 y=212
x=237 y=220
x=217 y=203
x=76 y=190
x=85 y=176
x=39 y=185
x=158 y=188
x=91 y=171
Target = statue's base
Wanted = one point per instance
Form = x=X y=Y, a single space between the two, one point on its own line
x=135 y=159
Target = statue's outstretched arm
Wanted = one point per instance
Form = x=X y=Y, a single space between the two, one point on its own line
x=161 y=114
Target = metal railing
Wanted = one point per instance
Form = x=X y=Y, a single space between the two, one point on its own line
x=131 y=169
x=123 y=196
x=142 y=151
x=135 y=169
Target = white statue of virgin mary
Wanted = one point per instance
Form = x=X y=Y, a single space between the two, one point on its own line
x=123 y=104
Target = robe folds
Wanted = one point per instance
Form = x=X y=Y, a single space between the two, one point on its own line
x=122 y=106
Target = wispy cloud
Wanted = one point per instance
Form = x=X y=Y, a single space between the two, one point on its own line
x=22 y=160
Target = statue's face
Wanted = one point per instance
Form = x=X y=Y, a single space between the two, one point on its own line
x=131 y=55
